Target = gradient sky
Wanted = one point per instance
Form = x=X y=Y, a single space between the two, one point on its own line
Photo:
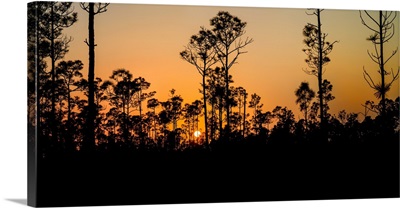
x=147 y=39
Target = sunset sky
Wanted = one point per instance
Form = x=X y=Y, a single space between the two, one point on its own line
x=147 y=39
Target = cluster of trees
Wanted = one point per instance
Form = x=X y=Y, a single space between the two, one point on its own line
x=71 y=113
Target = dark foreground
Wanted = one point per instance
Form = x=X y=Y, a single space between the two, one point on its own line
x=241 y=174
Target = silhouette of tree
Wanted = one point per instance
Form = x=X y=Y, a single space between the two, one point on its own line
x=111 y=127
x=142 y=85
x=317 y=52
x=36 y=65
x=350 y=131
x=56 y=16
x=384 y=29
x=227 y=31
x=384 y=126
x=216 y=97
x=283 y=131
x=242 y=102
x=199 y=52
x=153 y=103
x=121 y=91
x=70 y=72
x=92 y=9
x=259 y=118
x=255 y=103
x=100 y=118
x=173 y=108
x=304 y=97
x=172 y=111
x=326 y=96
x=191 y=114
x=313 y=115
x=38 y=50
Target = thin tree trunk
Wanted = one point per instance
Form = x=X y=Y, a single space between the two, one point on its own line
x=382 y=65
x=228 y=128
x=69 y=108
x=205 y=108
x=90 y=141
x=38 y=132
x=141 y=136
x=240 y=111
x=212 y=120
x=68 y=142
x=306 y=117
x=53 y=78
x=155 y=124
x=320 y=93
x=244 y=115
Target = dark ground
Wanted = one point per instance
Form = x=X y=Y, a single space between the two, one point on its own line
x=242 y=174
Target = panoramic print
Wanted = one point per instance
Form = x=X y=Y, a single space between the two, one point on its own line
x=160 y=104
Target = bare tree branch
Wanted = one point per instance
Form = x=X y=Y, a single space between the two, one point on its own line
x=368 y=79
x=391 y=56
x=376 y=22
x=365 y=24
x=394 y=77
x=373 y=57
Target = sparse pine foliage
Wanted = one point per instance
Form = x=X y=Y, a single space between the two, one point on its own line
x=383 y=28
x=317 y=50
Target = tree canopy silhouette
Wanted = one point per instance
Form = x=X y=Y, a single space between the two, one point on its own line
x=228 y=31
x=304 y=96
x=200 y=53
x=317 y=51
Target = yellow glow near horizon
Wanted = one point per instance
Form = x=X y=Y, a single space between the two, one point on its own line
x=197 y=134
x=147 y=39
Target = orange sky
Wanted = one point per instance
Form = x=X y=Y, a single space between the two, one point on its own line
x=147 y=39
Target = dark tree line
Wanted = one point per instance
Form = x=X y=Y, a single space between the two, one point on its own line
x=111 y=115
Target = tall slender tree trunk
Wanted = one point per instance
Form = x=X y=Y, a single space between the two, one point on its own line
x=320 y=93
x=244 y=115
x=306 y=117
x=240 y=111
x=212 y=120
x=228 y=127
x=38 y=134
x=141 y=136
x=155 y=124
x=68 y=140
x=69 y=108
x=205 y=107
x=126 y=116
x=53 y=78
x=90 y=140
x=382 y=66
